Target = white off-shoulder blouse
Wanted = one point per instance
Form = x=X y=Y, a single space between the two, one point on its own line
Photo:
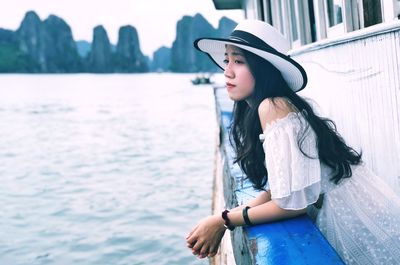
x=294 y=179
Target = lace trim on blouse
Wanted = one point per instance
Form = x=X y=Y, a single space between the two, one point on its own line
x=294 y=179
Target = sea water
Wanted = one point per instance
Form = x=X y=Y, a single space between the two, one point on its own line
x=103 y=169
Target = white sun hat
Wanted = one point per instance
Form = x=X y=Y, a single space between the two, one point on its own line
x=263 y=40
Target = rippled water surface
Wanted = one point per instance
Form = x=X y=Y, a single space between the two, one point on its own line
x=103 y=169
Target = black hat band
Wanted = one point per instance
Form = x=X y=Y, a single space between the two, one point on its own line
x=250 y=39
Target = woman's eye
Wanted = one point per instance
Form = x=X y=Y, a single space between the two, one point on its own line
x=226 y=61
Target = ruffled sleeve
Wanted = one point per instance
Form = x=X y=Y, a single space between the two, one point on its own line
x=294 y=179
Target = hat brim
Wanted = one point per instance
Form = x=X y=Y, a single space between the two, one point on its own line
x=291 y=71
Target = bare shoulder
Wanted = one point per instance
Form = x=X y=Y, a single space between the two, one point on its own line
x=270 y=110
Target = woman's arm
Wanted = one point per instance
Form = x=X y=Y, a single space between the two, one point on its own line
x=263 y=213
x=205 y=238
x=263 y=197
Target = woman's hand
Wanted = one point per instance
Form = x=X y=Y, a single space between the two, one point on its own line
x=205 y=238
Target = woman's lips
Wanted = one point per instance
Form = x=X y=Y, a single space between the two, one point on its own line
x=229 y=86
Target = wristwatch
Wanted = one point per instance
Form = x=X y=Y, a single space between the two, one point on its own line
x=227 y=221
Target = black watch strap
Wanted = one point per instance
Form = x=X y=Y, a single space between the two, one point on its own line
x=227 y=221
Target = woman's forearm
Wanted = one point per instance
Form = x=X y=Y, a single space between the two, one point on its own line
x=263 y=197
x=263 y=213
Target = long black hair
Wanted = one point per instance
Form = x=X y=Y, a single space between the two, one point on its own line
x=246 y=128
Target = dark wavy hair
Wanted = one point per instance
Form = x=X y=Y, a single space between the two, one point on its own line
x=245 y=127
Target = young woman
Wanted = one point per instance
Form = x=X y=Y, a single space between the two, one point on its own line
x=278 y=139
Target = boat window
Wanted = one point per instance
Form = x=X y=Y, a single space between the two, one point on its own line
x=300 y=20
x=293 y=21
x=255 y=10
x=261 y=10
x=334 y=15
x=335 y=8
x=267 y=11
x=313 y=25
x=251 y=10
x=277 y=18
x=371 y=13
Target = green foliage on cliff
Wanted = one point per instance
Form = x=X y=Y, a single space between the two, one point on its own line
x=13 y=60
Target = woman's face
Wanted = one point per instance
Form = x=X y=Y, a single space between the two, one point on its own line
x=239 y=80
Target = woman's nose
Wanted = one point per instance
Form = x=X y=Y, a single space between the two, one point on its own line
x=228 y=72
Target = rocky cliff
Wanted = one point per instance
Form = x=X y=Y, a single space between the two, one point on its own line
x=128 y=56
x=83 y=48
x=100 y=57
x=49 y=43
x=225 y=27
x=61 y=52
x=48 y=47
x=11 y=58
x=161 y=60
x=184 y=57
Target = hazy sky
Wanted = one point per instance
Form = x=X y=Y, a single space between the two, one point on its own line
x=155 y=20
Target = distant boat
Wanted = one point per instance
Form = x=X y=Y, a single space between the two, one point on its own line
x=202 y=80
